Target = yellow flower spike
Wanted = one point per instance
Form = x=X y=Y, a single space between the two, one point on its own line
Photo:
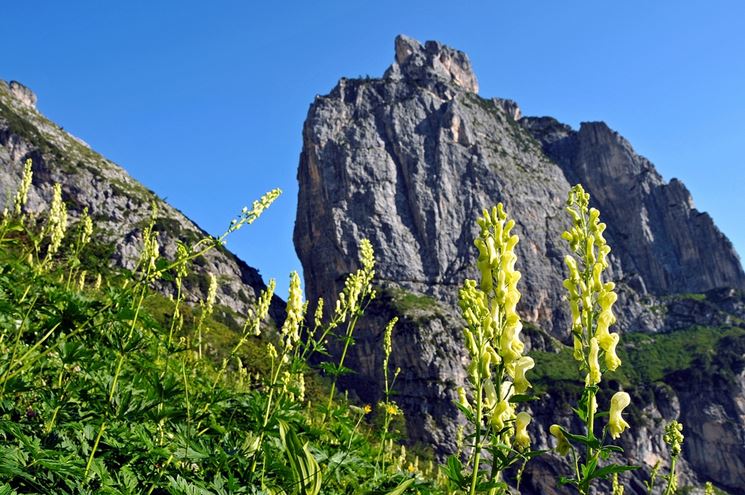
x=616 y=423
x=271 y=351
x=22 y=195
x=522 y=365
x=562 y=444
x=593 y=375
x=612 y=361
x=522 y=439
x=673 y=437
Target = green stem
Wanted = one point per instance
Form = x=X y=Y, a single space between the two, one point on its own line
x=672 y=482
x=347 y=342
x=272 y=385
x=17 y=342
x=477 y=438
x=93 y=452
x=120 y=363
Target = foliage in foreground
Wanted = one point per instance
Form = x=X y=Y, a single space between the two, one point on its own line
x=108 y=387
x=99 y=395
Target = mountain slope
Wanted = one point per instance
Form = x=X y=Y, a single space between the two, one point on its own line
x=119 y=205
x=410 y=160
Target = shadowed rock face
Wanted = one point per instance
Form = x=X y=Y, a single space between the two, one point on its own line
x=411 y=159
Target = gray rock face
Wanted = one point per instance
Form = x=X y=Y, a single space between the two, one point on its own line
x=670 y=244
x=119 y=205
x=22 y=94
x=410 y=160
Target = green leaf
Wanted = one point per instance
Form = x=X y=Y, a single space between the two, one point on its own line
x=401 y=488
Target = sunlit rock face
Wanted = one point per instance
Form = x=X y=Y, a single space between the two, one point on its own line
x=410 y=160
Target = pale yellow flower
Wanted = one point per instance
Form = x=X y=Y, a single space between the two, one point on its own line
x=522 y=365
x=562 y=444
x=522 y=439
x=612 y=361
x=616 y=423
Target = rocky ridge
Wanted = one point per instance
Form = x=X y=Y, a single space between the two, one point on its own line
x=120 y=206
x=409 y=161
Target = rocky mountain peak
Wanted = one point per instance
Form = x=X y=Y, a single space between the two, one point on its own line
x=22 y=94
x=408 y=161
x=432 y=63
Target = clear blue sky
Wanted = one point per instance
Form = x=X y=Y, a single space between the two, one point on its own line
x=204 y=101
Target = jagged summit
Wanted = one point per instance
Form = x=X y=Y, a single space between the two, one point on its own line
x=432 y=64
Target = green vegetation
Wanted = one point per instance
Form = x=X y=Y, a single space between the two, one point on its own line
x=414 y=306
x=108 y=386
x=102 y=389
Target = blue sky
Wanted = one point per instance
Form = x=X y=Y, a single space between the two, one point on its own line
x=204 y=102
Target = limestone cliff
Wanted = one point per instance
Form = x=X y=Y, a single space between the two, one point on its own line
x=410 y=159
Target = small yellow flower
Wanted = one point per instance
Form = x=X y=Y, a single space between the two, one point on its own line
x=562 y=444
x=616 y=423
x=392 y=409
x=367 y=408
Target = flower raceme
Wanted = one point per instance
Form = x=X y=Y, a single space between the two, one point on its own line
x=591 y=299
x=492 y=337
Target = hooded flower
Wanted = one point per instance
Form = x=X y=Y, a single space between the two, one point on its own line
x=522 y=365
x=612 y=361
x=522 y=440
x=616 y=423
x=562 y=444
